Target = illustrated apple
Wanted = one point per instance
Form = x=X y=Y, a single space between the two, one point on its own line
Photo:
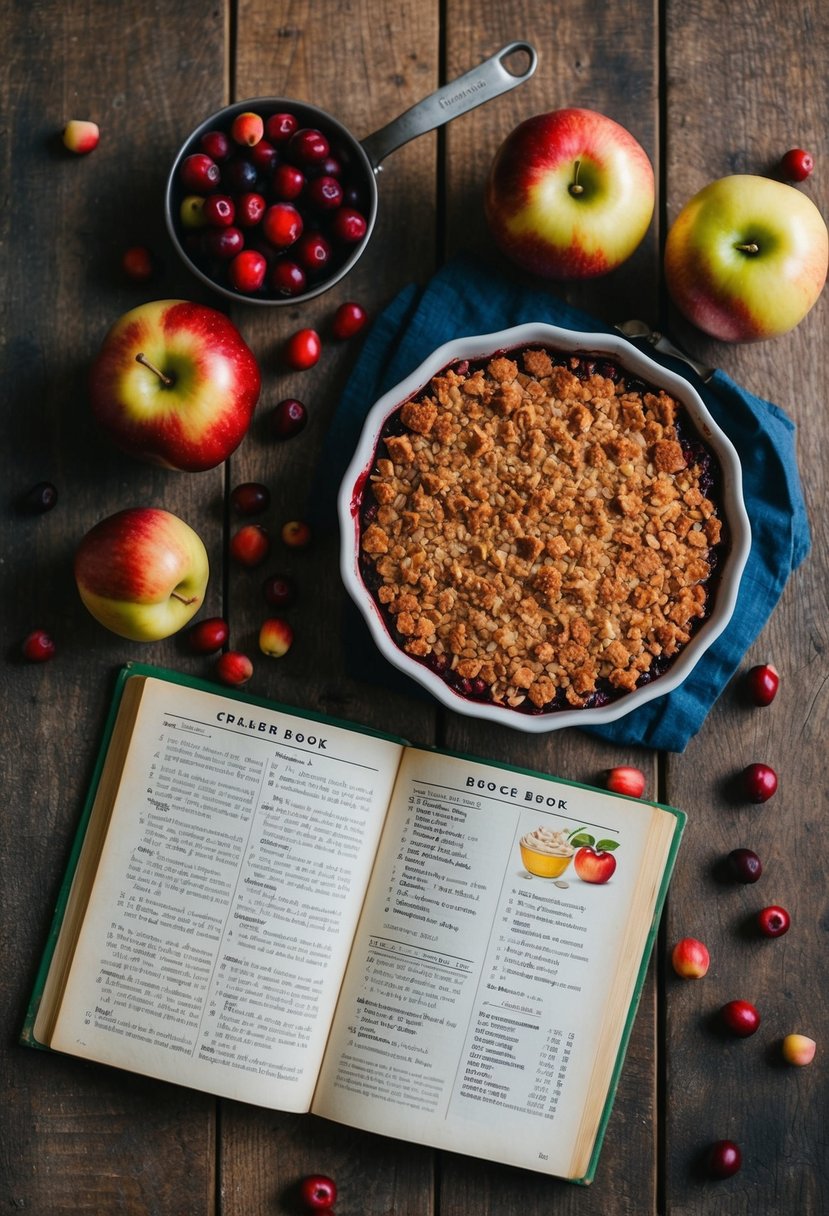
x=746 y=258
x=142 y=573
x=175 y=384
x=569 y=195
x=594 y=864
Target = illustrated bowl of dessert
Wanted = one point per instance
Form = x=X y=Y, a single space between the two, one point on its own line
x=543 y=527
x=546 y=852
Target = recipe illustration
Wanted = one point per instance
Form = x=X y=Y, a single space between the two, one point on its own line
x=546 y=852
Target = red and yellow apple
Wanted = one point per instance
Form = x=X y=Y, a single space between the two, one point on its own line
x=594 y=864
x=175 y=384
x=569 y=195
x=798 y=1049
x=746 y=258
x=142 y=573
x=690 y=958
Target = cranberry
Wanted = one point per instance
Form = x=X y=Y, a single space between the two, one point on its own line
x=250 y=208
x=759 y=782
x=224 y=243
x=308 y=146
x=216 y=145
x=40 y=498
x=740 y=1017
x=796 y=165
x=38 y=646
x=250 y=498
x=325 y=193
x=348 y=225
x=724 y=1159
x=282 y=225
x=240 y=174
x=288 y=278
x=744 y=865
x=250 y=545
x=247 y=271
x=264 y=156
x=280 y=127
x=137 y=263
x=763 y=682
x=330 y=167
x=234 y=668
x=199 y=173
x=288 y=418
x=279 y=590
x=318 y=1192
x=773 y=921
x=208 y=636
x=219 y=210
x=303 y=349
x=313 y=251
x=287 y=182
x=348 y=320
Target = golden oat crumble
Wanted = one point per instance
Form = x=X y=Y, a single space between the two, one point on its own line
x=537 y=532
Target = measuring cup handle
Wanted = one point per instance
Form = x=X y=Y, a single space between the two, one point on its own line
x=488 y=80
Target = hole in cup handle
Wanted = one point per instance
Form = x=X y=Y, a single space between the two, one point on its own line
x=488 y=80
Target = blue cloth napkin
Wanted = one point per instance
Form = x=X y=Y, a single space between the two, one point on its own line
x=466 y=297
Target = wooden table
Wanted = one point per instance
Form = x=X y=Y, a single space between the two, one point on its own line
x=709 y=89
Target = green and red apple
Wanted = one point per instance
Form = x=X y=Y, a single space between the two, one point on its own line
x=746 y=258
x=142 y=573
x=570 y=194
x=175 y=384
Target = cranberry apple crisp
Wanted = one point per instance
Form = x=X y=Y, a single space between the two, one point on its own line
x=541 y=529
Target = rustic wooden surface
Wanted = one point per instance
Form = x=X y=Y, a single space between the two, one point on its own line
x=708 y=89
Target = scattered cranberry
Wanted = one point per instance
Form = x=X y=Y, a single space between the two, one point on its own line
x=282 y=225
x=247 y=270
x=744 y=865
x=199 y=173
x=348 y=225
x=773 y=921
x=250 y=209
x=318 y=1192
x=759 y=782
x=796 y=165
x=250 y=498
x=626 y=779
x=38 y=646
x=137 y=263
x=308 y=146
x=279 y=590
x=763 y=682
x=208 y=636
x=234 y=668
x=349 y=319
x=287 y=278
x=303 y=349
x=41 y=498
x=216 y=145
x=724 y=1159
x=250 y=545
x=280 y=127
x=288 y=418
x=740 y=1017
x=296 y=534
x=287 y=182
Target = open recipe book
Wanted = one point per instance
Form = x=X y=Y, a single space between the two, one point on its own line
x=288 y=910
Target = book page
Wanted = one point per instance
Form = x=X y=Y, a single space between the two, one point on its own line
x=231 y=879
x=484 y=1004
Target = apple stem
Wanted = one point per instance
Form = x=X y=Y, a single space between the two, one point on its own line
x=575 y=186
x=167 y=381
x=750 y=247
x=190 y=599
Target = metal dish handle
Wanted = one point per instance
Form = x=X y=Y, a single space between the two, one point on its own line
x=490 y=79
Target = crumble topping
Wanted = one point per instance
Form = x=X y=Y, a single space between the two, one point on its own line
x=538 y=529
